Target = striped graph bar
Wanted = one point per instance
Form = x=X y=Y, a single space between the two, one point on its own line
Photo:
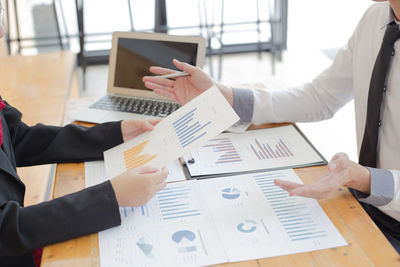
x=265 y=151
x=223 y=146
x=174 y=203
x=126 y=211
x=189 y=130
x=133 y=158
x=294 y=216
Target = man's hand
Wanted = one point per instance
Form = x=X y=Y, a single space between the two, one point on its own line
x=341 y=171
x=183 y=89
x=133 y=128
x=135 y=187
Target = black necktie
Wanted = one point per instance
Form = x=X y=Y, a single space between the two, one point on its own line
x=377 y=87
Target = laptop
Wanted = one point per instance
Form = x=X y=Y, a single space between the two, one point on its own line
x=132 y=54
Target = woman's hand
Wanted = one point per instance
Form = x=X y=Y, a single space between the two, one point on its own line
x=133 y=128
x=135 y=187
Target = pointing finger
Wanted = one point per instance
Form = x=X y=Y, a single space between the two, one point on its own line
x=184 y=66
x=317 y=191
x=159 y=80
x=286 y=185
x=153 y=86
x=161 y=70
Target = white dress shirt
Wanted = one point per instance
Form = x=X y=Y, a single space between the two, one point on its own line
x=348 y=77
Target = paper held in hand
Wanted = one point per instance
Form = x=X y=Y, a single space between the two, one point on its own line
x=190 y=126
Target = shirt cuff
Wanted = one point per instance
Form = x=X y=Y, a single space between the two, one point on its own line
x=382 y=188
x=243 y=104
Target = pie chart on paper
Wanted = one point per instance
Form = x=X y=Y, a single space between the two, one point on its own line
x=230 y=193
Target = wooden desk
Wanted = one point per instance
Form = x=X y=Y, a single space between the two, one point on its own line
x=38 y=86
x=367 y=245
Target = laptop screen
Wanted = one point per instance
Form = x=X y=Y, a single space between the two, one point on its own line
x=134 y=57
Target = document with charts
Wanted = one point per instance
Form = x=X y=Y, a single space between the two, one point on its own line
x=255 y=150
x=250 y=212
x=211 y=221
x=173 y=229
x=190 y=126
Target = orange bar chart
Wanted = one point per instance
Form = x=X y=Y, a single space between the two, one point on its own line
x=133 y=159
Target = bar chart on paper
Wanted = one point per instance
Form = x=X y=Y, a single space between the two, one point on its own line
x=130 y=211
x=133 y=157
x=293 y=214
x=225 y=150
x=264 y=151
x=256 y=150
x=176 y=202
x=188 y=129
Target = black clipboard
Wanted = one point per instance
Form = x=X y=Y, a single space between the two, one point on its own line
x=318 y=163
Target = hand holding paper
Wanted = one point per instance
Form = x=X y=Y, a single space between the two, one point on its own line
x=190 y=126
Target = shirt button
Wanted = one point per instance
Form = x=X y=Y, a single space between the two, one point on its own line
x=379 y=123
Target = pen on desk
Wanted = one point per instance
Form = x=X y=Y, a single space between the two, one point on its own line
x=173 y=75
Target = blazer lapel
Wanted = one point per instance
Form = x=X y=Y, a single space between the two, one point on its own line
x=7 y=158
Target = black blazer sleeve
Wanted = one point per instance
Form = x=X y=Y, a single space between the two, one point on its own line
x=41 y=144
x=23 y=229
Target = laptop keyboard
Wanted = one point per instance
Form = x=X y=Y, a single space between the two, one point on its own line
x=148 y=107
